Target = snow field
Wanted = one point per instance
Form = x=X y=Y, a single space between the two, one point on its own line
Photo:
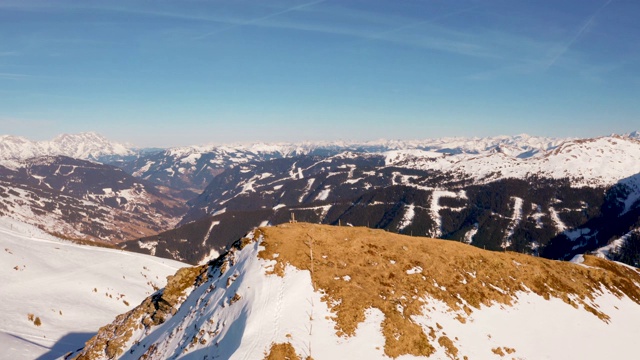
x=55 y=281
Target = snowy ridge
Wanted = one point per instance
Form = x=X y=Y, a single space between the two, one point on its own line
x=193 y=167
x=485 y=159
x=72 y=289
x=265 y=295
x=590 y=162
x=88 y=146
x=605 y=252
x=519 y=145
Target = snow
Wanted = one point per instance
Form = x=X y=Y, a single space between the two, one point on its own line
x=142 y=170
x=414 y=270
x=248 y=185
x=86 y=146
x=191 y=159
x=537 y=215
x=408 y=216
x=56 y=281
x=515 y=220
x=573 y=235
x=219 y=212
x=323 y=194
x=468 y=236
x=581 y=160
x=484 y=159
x=577 y=259
x=435 y=207
x=633 y=186
x=149 y=245
x=560 y=226
x=605 y=251
x=213 y=254
x=213 y=224
x=307 y=188
x=533 y=336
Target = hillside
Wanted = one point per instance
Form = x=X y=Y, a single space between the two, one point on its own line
x=86 y=200
x=321 y=292
x=69 y=289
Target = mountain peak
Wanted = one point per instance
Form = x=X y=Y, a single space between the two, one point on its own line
x=86 y=145
x=344 y=292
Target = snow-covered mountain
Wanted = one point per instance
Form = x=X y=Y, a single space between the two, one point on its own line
x=194 y=167
x=86 y=200
x=302 y=291
x=569 y=200
x=87 y=146
x=587 y=162
x=455 y=188
x=56 y=294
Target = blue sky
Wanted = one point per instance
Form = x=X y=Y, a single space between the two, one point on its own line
x=169 y=73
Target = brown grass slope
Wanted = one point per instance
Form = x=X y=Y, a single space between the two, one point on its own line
x=462 y=276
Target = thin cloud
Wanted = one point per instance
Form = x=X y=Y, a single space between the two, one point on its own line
x=14 y=76
x=585 y=26
x=424 y=22
x=431 y=36
x=257 y=20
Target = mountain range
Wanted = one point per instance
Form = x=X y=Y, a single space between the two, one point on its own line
x=574 y=197
x=553 y=197
x=87 y=146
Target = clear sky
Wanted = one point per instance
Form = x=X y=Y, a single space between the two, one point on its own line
x=168 y=73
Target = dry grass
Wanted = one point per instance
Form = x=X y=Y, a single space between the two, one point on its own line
x=450 y=349
x=503 y=351
x=282 y=352
x=377 y=263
